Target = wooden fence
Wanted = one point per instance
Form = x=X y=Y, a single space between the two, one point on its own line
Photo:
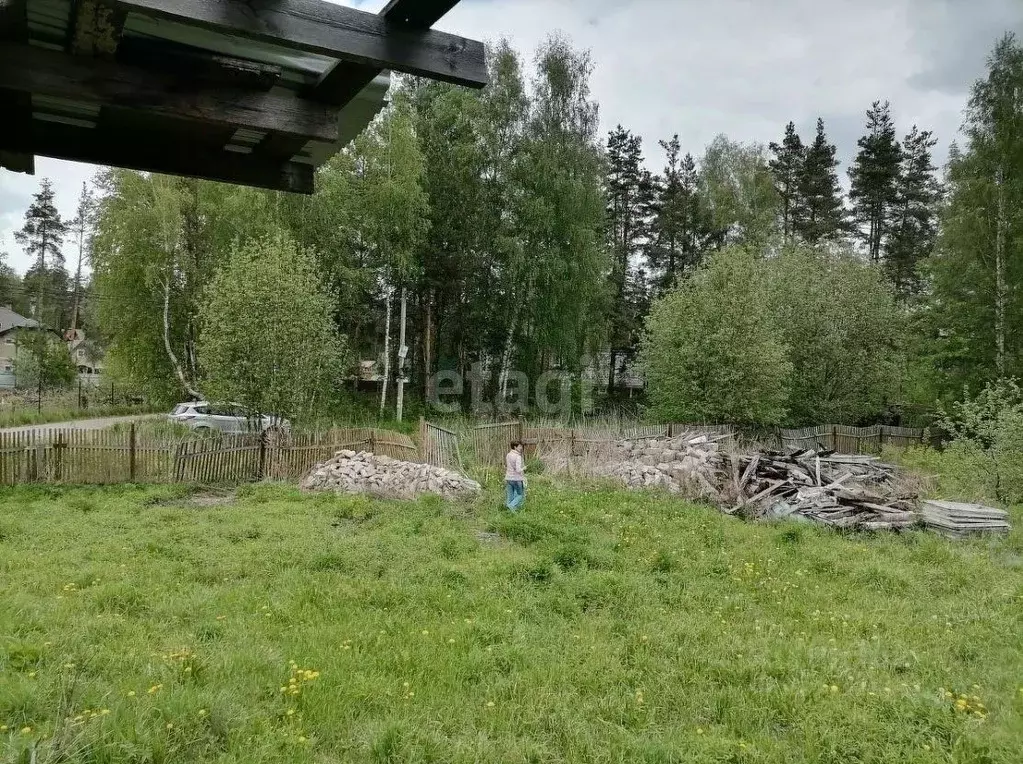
x=851 y=440
x=439 y=446
x=117 y=456
x=110 y=456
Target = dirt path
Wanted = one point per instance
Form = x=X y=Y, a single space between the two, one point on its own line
x=84 y=424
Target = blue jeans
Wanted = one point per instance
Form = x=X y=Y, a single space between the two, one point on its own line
x=515 y=491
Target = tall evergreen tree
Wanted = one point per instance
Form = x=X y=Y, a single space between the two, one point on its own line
x=680 y=227
x=81 y=228
x=824 y=216
x=874 y=178
x=914 y=224
x=41 y=237
x=630 y=192
x=787 y=167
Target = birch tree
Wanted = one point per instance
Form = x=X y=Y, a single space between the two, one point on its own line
x=978 y=312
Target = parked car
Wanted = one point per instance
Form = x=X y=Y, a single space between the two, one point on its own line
x=230 y=418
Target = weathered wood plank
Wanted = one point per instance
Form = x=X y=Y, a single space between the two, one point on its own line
x=332 y=30
x=45 y=72
x=17 y=117
x=196 y=64
x=163 y=154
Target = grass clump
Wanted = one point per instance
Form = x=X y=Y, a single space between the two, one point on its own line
x=602 y=626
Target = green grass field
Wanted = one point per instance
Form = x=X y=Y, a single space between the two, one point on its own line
x=148 y=625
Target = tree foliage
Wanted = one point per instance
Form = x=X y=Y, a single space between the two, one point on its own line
x=712 y=352
x=267 y=338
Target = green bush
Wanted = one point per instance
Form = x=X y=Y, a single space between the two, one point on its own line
x=987 y=433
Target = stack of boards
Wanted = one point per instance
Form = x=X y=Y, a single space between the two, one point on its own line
x=959 y=520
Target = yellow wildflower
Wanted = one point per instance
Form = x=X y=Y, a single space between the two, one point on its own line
x=26 y=730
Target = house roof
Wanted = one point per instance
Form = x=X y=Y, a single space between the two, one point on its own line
x=258 y=92
x=10 y=320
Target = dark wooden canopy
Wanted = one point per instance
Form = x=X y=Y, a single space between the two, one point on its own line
x=257 y=92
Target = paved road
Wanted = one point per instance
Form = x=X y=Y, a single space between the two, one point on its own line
x=84 y=424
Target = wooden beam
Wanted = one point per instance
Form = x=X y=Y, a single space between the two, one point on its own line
x=17 y=106
x=45 y=72
x=346 y=79
x=163 y=154
x=197 y=64
x=95 y=29
x=417 y=14
x=317 y=26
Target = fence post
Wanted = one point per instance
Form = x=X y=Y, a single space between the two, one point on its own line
x=59 y=444
x=671 y=430
x=131 y=452
x=372 y=441
x=261 y=466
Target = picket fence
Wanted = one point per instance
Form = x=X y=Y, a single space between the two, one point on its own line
x=47 y=455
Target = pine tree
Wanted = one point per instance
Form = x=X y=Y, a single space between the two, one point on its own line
x=680 y=227
x=914 y=224
x=630 y=201
x=41 y=238
x=822 y=216
x=81 y=228
x=787 y=166
x=874 y=178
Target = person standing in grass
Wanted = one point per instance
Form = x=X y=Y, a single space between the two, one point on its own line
x=515 y=477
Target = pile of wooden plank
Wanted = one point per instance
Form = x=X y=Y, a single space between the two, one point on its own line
x=839 y=490
x=959 y=520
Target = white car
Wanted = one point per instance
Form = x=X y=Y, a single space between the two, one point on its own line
x=229 y=418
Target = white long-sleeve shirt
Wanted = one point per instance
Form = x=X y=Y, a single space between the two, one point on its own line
x=515 y=467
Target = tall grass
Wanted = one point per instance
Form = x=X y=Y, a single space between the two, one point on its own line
x=596 y=626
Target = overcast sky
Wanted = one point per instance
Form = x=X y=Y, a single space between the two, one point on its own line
x=699 y=68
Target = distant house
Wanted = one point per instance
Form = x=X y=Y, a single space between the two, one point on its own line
x=10 y=323
x=86 y=355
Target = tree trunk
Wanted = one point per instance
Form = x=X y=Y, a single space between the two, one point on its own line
x=387 y=354
x=427 y=346
x=167 y=343
x=78 y=279
x=401 y=355
x=502 y=380
x=1001 y=290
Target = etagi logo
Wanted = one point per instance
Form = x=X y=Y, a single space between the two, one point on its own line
x=550 y=395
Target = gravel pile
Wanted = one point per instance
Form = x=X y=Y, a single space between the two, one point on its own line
x=363 y=472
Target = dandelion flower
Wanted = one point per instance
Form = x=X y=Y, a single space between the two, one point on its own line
x=834 y=688
x=3 y=728
x=26 y=730
x=301 y=739
x=104 y=712
x=202 y=712
x=291 y=712
x=170 y=725
x=490 y=704
x=699 y=730
x=31 y=675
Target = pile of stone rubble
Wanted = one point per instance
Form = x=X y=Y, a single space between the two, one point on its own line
x=363 y=472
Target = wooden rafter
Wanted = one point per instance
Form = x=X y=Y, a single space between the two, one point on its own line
x=347 y=79
x=320 y=27
x=36 y=70
x=153 y=153
x=18 y=105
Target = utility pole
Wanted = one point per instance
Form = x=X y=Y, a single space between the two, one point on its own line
x=402 y=354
